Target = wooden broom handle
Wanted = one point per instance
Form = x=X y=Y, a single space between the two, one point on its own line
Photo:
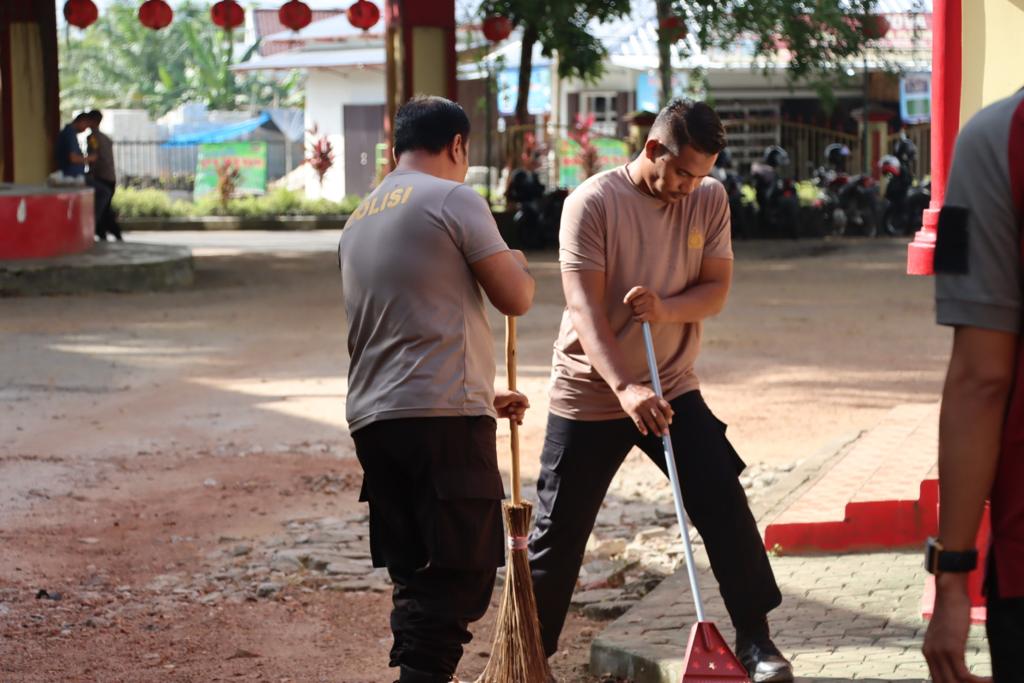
x=510 y=365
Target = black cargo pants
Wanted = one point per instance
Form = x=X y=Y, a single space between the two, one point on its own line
x=435 y=493
x=578 y=463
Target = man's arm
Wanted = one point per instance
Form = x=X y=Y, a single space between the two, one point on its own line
x=585 y=297
x=974 y=400
x=506 y=280
x=703 y=300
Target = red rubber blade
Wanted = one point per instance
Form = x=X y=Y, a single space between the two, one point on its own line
x=709 y=659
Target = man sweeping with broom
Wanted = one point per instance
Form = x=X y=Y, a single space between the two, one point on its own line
x=647 y=242
x=421 y=404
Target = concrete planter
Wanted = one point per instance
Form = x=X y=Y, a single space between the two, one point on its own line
x=234 y=223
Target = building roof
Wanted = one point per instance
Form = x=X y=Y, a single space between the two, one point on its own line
x=266 y=23
x=331 y=29
x=316 y=59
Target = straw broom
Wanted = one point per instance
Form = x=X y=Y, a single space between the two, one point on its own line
x=517 y=655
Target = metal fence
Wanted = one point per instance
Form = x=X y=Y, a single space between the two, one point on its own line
x=806 y=144
x=747 y=137
x=151 y=164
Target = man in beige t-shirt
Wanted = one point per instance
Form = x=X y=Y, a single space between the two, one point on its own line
x=647 y=242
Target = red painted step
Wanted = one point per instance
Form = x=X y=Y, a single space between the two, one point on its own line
x=881 y=494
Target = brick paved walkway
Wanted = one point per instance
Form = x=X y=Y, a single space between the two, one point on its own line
x=844 y=617
x=850 y=617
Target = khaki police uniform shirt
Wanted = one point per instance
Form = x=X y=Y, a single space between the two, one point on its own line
x=418 y=335
x=610 y=225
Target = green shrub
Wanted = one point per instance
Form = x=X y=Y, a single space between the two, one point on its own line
x=155 y=203
x=147 y=204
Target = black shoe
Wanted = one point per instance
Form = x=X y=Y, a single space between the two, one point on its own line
x=407 y=674
x=763 y=661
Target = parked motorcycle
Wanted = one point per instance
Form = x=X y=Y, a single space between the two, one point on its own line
x=905 y=202
x=527 y=192
x=848 y=204
x=740 y=213
x=778 y=207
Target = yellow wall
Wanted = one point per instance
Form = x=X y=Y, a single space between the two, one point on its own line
x=28 y=94
x=429 y=61
x=993 y=40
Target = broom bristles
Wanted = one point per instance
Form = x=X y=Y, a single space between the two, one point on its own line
x=517 y=655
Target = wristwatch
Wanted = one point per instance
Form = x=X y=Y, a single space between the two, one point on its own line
x=937 y=560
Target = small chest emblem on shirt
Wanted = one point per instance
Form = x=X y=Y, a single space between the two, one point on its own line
x=695 y=240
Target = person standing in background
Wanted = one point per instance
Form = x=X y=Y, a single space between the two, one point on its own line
x=102 y=172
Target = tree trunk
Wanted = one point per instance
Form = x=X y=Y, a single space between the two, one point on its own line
x=525 y=71
x=664 y=51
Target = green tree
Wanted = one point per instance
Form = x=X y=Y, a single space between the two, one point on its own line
x=822 y=36
x=118 y=62
x=560 y=25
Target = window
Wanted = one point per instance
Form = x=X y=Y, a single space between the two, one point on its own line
x=603 y=106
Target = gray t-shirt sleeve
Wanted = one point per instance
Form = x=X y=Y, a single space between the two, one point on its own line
x=984 y=290
x=469 y=222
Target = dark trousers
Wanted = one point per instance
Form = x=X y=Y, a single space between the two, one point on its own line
x=1004 y=626
x=106 y=221
x=434 y=493
x=101 y=198
x=578 y=463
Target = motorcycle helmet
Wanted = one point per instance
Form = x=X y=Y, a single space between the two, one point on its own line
x=724 y=159
x=775 y=156
x=890 y=165
x=836 y=155
x=905 y=149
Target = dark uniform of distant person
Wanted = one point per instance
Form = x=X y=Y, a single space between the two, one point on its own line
x=71 y=162
x=978 y=281
x=102 y=172
x=647 y=241
x=421 y=403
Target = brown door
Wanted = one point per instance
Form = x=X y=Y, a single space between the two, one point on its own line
x=363 y=128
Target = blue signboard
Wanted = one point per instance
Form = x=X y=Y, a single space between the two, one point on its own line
x=916 y=98
x=539 y=101
x=648 y=89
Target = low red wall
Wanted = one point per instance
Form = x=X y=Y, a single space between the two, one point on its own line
x=37 y=222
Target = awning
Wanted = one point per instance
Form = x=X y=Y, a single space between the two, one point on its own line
x=232 y=131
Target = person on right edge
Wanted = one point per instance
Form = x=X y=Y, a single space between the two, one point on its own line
x=981 y=424
x=648 y=241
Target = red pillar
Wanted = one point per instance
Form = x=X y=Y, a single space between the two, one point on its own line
x=420 y=45
x=947 y=38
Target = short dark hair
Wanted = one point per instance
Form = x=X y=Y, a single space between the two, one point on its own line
x=84 y=116
x=95 y=115
x=685 y=122
x=429 y=123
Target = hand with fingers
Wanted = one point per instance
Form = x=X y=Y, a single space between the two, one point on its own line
x=646 y=305
x=648 y=412
x=946 y=639
x=511 y=404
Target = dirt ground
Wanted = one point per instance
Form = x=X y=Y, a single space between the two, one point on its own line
x=139 y=433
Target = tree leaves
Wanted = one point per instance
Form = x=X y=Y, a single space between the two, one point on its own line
x=117 y=62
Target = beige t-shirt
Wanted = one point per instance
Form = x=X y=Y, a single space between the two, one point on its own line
x=609 y=225
x=418 y=335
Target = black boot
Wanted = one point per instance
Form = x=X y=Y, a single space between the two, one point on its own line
x=763 y=661
x=409 y=675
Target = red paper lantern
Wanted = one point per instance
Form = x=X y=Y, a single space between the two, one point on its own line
x=497 y=28
x=674 y=28
x=874 y=26
x=80 y=13
x=295 y=15
x=155 y=14
x=363 y=14
x=227 y=14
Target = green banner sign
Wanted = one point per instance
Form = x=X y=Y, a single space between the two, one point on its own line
x=610 y=153
x=249 y=157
